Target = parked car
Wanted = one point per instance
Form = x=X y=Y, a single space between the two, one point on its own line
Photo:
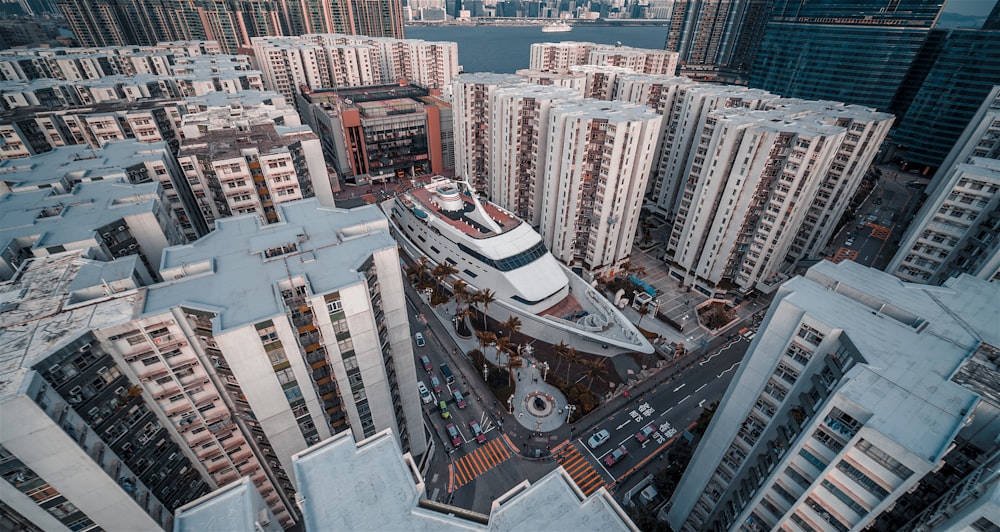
x=446 y=371
x=425 y=394
x=419 y=337
x=477 y=431
x=598 y=439
x=849 y=242
x=459 y=400
x=456 y=438
x=615 y=456
x=436 y=384
x=645 y=433
x=877 y=201
x=427 y=363
x=445 y=414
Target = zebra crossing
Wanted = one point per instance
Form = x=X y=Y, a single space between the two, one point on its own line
x=580 y=469
x=484 y=458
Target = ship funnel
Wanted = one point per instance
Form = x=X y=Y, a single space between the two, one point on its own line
x=449 y=198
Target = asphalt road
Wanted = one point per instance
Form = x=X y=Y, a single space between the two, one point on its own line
x=669 y=409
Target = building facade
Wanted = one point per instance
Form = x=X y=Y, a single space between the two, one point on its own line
x=857 y=52
x=716 y=40
x=842 y=404
x=964 y=72
x=561 y=56
x=956 y=229
x=373 y=134
x=597 y=163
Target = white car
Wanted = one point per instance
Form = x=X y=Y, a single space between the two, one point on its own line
x=419 y=337
x=598 y=438
x=849 y=243
x=425 y=394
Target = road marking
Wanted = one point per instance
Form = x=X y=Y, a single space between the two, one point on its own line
x=682 y=400
x=623 y=424
x=679 y=387
x=719 y=376
x=700 y=387
x=701 y=403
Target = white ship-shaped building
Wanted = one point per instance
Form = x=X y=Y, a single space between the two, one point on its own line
x=491 y=248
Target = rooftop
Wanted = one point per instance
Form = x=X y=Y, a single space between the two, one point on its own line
x=39 y=309
x=235 y=270
x=67 y=165
x=913 y=338
x=372 y=486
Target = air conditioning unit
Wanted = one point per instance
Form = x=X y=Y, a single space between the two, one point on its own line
x=131 y=246
x=121 y=227
x=85 y=347
x=75 y=391
x=106 y=235
x=120 y=390
x=102 y=370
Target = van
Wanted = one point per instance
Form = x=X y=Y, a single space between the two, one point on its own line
x=446 y=371
x=425 y=394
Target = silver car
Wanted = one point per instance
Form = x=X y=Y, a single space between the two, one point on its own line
x=598 y=439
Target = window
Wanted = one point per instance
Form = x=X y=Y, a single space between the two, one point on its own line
x=786 y=373
x=813 y=459
x=862 y=479
x=810 y=335
x=845 y=498
x=285 y=376
x=334 y=306
x=883 y=459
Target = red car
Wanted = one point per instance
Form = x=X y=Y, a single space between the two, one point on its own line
x=426 y=362
x=456 y=438
x=477 y=431
x=436 y=384
x=615 y=456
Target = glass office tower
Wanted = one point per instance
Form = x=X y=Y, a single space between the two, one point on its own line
x=854 y=51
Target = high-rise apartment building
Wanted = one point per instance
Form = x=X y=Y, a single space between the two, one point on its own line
x=851 y=392
x=231 y=24
x=136 y=162
x=253 y=169
x=957 y=228
x=597 y=161
x=685 y=111
x=122 y=403
x=563 y=55
x=112 y=218
x=335 y=61
x=964 y=72
x=852 y=52
x=471 y=95
x=716 y=39
x=763 y=189
x=519 y=141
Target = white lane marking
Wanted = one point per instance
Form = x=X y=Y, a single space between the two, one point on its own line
x=719 y=376
x=700 y=387
x=679 y=387
x=682 y=400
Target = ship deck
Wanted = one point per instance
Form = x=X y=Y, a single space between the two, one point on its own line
x=459 y=220
x=568 y=309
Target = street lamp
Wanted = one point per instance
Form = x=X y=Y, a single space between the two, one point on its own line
x=569 y=412
x=510 y=405
x=485 y=374
x=545 y=370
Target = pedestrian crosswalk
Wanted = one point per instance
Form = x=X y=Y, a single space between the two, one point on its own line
x=485 y=457
x=582 y=472
x=880 y=232
x=845 y=254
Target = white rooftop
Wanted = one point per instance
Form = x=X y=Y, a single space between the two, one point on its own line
x=53 y=219
x=236 y=506
x=79 y=162
x=913 y=337
x=372 y=486
x=226 y=270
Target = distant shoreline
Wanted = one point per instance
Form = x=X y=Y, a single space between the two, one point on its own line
x=538 y=22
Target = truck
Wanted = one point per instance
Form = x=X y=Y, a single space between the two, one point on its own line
x=448 y=376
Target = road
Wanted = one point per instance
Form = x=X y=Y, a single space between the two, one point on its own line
x=669 y=409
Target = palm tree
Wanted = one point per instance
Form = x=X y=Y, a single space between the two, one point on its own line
x=459 y=291
x=643 y=311
x=485 y=296
x=485 y=338
x=505 y=346
x=561 y=348
x=512 y=325
x=461 y=315
x=572 y=357
x=594 y=369
x=441 y=272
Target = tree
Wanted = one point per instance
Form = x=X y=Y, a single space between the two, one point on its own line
x=628 y=267
x=441 y=273
x=485 y=297
x=643 y=312
x=572 y=357
x=594 y=369
x=462 y=314
x=561 y=348
x=486 y=338
x=459 y=291
x=512 y=325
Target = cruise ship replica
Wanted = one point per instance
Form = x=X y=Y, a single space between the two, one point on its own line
x=491 y=248
x=557 y=27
